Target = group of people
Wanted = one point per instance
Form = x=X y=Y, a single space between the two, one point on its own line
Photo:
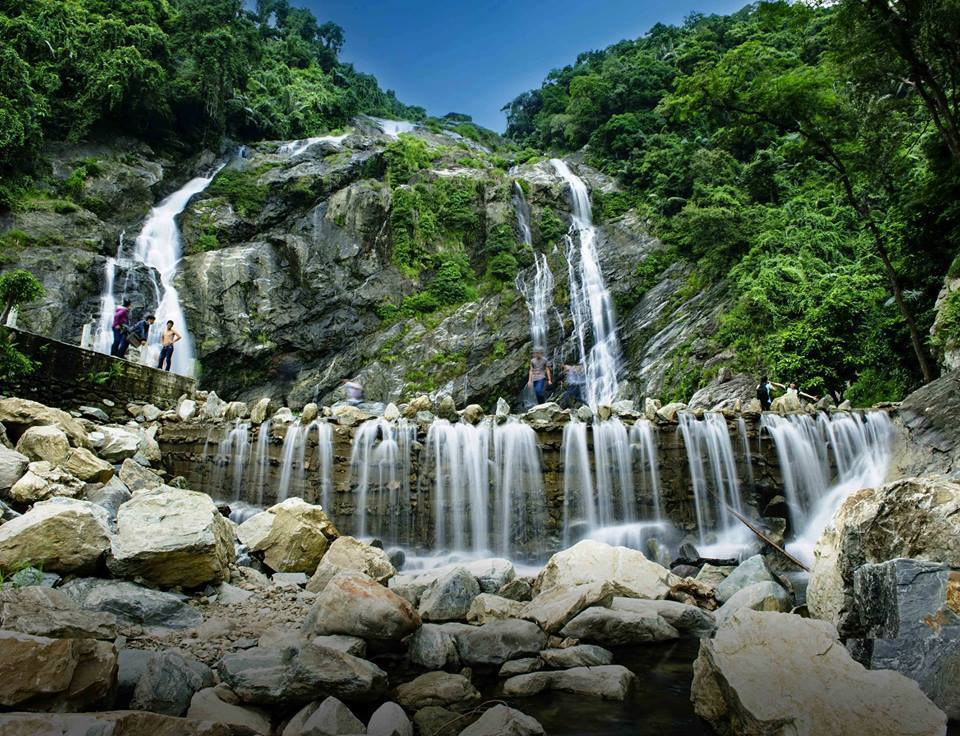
x=765 y=392
x=540 y=378
x=124 y=335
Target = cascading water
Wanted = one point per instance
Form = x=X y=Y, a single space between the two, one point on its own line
x=158 y=247
x=380 y=474
x=232 y=455
x=394 y=128
x=713 y=474
x=518 y=500
x=323 y=462
x=644 y=446
x=590 y=302
x=539 y=298
x=458 y=455
x=295 y=148
x=745 y=446
x=522 y=208
x=291 y=458
x=578 y=506
x=857 y=445
x=261 y=461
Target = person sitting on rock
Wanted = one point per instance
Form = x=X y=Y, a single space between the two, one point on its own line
x=539 y=376
x=353 y=391
x=121 y=318
x=575 y=379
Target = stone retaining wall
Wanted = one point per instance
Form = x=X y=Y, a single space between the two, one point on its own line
x=69 y=376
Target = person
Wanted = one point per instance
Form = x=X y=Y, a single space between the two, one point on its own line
x=121 y=318
x=539 y=376
x=140 y=331
x=794 y=390
x=575 y=380
x=765 y=392
x=353 y=391
x=168 y=339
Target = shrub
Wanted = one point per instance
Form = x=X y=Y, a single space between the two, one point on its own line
x=241 y=189
x=404 y=157
x=551 y=227
x=502 y=268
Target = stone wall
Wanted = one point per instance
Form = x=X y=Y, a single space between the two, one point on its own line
x=68 y=376
x=190 y=450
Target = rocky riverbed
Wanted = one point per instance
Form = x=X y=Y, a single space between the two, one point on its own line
x=132 y=604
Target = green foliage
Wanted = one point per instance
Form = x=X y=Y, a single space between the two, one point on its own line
x=502 y=268
x=242 y=189
x=646 y=275
x=947 y=334
x=13 y=364
x=404 y=157
x=102 y=378
x=551 y=227
x=205 y=243
x=17 y=287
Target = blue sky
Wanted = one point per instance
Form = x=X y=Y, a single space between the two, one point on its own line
x=474 y=57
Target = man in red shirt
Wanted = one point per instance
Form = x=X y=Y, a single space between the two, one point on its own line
x=121 y=318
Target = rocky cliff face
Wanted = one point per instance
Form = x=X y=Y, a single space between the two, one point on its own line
x=291 y=278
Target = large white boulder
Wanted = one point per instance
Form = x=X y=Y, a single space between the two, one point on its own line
x=356 y=605
x=918 y=518
x=83 y=464
x=42 y=482
x=44 y=442
x=777 y=673
x=22 y=413
x=292 y=535
x=172 y=537
x=348 y=554
x=118 y=444
x=13 y=465
x=589 y=562
x=61 y=535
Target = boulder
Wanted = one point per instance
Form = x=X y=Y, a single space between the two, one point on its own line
x=214 y=407
x=910 y=614
x=172 y=537
x=766 y=596
x=749 y=572
x=714 y=574
x=150 y=412
x=133 y=604
x=668 y=412
x=292 y=535
x=416 y=405
x=582 y=655
x=916 y=518
x=292 y=672
x=42 y=482
x=439 y=689
x=433 y=647
x=487 y=607
x=610 y=682
x=447 y=408
x=686 y=619
x=389 y=720
x=556 y=606
x=114 y=723
x=391 y=412
x=348 y=554
x=97 y=414
x=13 y=465
x=502 y=720
x=449 y=597
x=208 y=705
x=83 y=464
x=44 y=442
x=786 y=403
x=494 y=643
x=618 y=628
x=503 y=409
x=187 y=410
x=768 y=672
x=17 y=415
x=110 y=497
x=589 y=561
x=331 y=718
x=438 y=721
x=473 y=414
x=523 y=666
x=168 y=684
x=40 y=611
x=546 y=415
x=347 y=644
x=138 y=478
x=518 y=589
x=54 y=674
x=62 y=535
x=118 y=444
x=356 y=605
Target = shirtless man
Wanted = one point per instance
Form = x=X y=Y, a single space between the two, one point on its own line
x=167 y=340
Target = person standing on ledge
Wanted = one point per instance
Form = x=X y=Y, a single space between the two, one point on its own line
x=353 y=391
x=167 y=340
x=121 y=318
x=539 y=377
x=765 y=392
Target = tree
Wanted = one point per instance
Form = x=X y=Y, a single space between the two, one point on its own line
x=17 y=288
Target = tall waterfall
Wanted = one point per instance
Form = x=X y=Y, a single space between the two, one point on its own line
x=591 y=305
x=522 y=209
x=539 y=298
x=158 y=247
x=858 y=445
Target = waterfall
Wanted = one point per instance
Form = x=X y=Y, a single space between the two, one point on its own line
x=231 y=460
x=645 y=450
x=578 y=505
x=858 y=445
x=539 y=299
x=291 y=458
x=745 y=445
x=261 y=461
x=522 y=209
x=590 y=302
x=518 y=498
x=459 y=457
x=324 y=463
x=380 y=477
x=103 y=339
x=614 y=474
x=158 y=247
x=295 y=148
x=394 y=128
x=713 y=471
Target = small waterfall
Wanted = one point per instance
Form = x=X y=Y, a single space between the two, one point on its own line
x=539 y=298
x=713 y=471
x=261 y=461
x=519 y=500
x=158 y=247
x=745 y=444
x=578 y=507
x=380 y=477
x=614 y=473
x=858 y=445
x=291 y=459
x=323 y=463
x=295 y=148
x=590 y=302
x=394 y=128
x=103 y=339
x=459 y=456
x=232 y=455
x=522 y=208
x=645 y=450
